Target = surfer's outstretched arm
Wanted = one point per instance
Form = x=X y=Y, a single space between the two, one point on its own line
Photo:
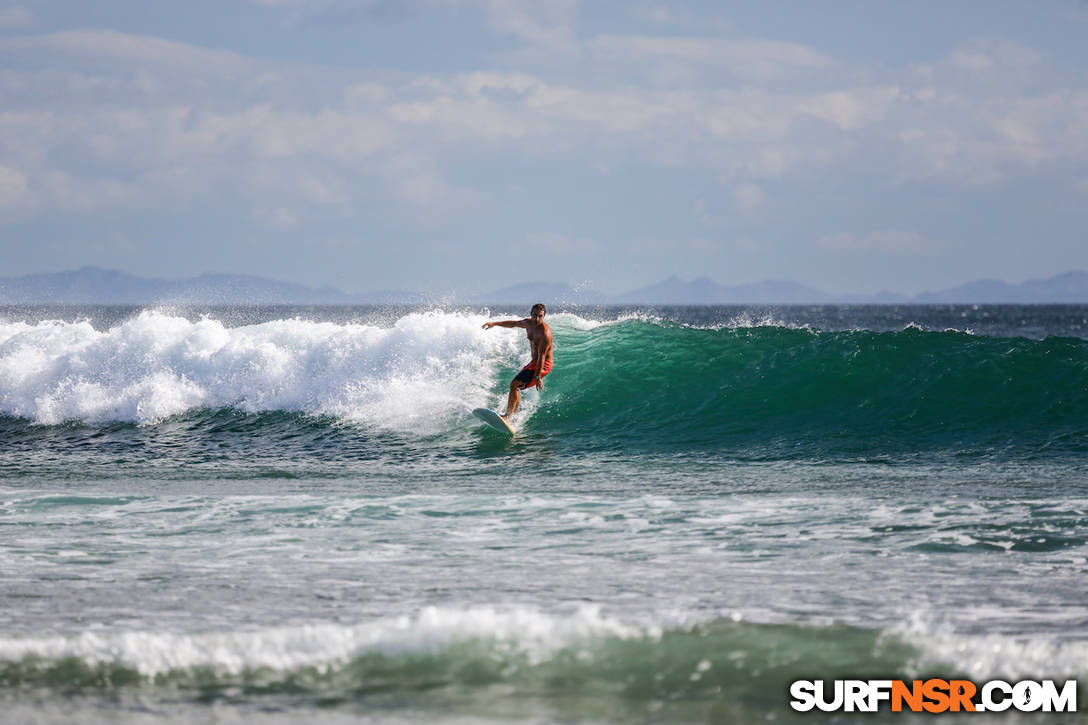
x=508 y=323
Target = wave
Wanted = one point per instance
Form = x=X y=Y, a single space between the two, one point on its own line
x=443 y=657
x=855 y=390
x=638 y=381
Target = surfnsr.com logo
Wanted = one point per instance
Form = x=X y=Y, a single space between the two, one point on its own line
x=933 y=696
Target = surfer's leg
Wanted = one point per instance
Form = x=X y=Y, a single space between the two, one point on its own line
x=514 y=401
x=520 y=382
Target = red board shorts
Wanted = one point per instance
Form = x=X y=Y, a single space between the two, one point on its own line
x=528 y=374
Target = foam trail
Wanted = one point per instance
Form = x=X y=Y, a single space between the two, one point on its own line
x=155 y=366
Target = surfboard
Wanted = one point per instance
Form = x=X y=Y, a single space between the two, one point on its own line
x=494 y=420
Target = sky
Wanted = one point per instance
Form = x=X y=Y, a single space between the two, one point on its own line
x=460 y=146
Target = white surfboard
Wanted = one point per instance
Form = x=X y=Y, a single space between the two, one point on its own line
x=494 y=420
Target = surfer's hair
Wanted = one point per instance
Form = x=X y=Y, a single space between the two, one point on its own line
x=539 y=306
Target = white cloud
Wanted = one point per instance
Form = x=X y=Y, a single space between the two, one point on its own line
x=982 y=140
x=548 y=25
x=126 y=48
x=659 y=15
x=135 y=118
x=327 y=133
x=702 y=211
x=851 y=109
x=707 y=246
x=13 y=188
x=742 y=57
x=366 y=94
x=558 y=245
x=989 y=56
x=703 y=246
x=340 y=242
x=319 y=5
x=883 y=241
x=276 y=218
x=482 y=82
x=457 y=113
x=983 y=67
x=322 y=189
x=670 y=15
x=749 y=197
x=172 y=154
x=16 y=17
x=745 y=116
x=68 y=191
x=415 y=180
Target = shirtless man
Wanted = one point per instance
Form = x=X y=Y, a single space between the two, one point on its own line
x=540 y=341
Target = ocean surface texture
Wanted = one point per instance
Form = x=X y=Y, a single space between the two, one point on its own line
x=289 y=514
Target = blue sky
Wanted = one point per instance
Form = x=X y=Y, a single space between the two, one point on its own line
x=463 y=145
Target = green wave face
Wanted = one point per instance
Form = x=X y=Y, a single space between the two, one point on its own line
x=785 y=392
x=717 y=671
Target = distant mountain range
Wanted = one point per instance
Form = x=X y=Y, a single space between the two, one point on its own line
x=92 y=285
x=1067 y=288
x=705 y=291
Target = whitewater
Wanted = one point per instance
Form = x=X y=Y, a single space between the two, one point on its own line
x=288 y=513
x=156 y=366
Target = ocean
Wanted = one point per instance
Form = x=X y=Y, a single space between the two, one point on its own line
x=289 y=514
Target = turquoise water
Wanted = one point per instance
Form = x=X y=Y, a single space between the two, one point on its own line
x=277 y=514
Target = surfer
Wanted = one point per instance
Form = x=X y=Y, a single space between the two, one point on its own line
x=540 y=343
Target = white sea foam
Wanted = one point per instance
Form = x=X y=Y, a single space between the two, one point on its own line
x=530 y=631
x=426 y=367
x=582 y=324
x=989 y=656
x=748 y=320
x=574 y=322
x=432 y=629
